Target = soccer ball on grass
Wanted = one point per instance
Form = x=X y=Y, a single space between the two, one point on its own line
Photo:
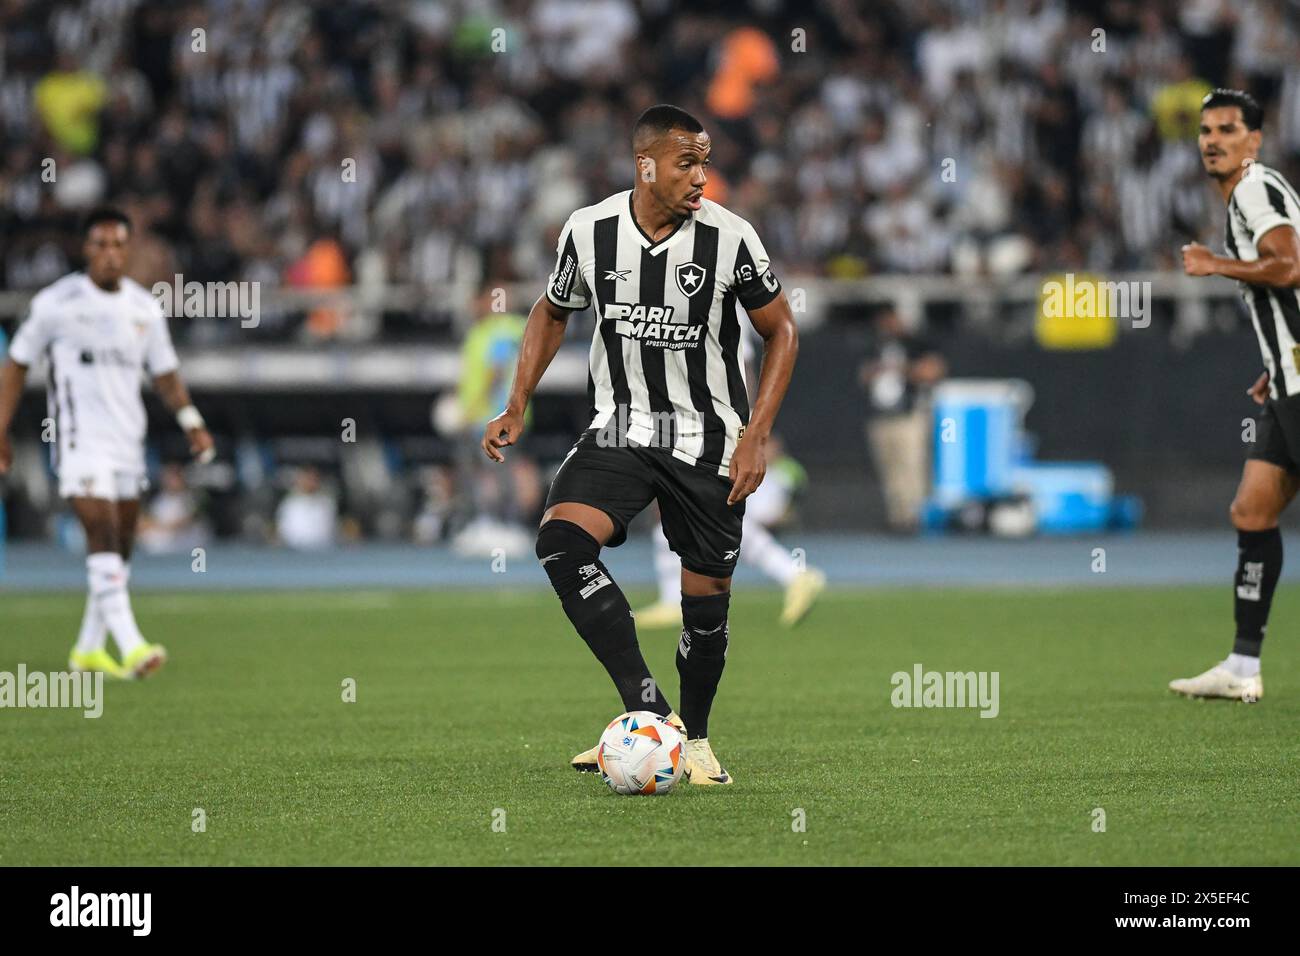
x=641 y=753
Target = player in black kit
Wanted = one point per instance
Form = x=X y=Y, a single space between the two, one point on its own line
x=670 y=419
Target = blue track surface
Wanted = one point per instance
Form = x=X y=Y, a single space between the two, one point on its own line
x=1137 y=559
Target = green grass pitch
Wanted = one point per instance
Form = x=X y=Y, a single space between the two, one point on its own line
x=471 y=703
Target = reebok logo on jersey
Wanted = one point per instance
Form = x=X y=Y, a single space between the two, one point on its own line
x=614 y=275
x=653 y=325
x=551 y=557
x=730 y=555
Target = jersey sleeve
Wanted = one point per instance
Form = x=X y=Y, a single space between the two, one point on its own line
x=754 y=283
x=566 y=288
x=1261 y=203
x=159 y=356
x=34 y=333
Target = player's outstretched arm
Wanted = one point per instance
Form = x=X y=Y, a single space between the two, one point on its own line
x=542 y=337
x=1278 y=264
x=775 y=323
x=176 y=397
x=12 y=378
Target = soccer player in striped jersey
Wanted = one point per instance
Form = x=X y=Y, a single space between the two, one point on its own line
x=98 y=331
x=1264 y=257
x=670 y=418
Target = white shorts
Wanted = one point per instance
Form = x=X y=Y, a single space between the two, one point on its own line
x=84 y=477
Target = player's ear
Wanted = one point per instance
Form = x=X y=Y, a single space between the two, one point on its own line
x=645 y=168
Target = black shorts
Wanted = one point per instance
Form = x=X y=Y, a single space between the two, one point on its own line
x=700 y=526
x=1277 y=436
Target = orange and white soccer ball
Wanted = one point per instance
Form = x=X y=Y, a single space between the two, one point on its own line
x=641 y=753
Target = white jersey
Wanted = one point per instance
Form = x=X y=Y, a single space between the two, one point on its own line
x=1260 y=202
x=97 y=344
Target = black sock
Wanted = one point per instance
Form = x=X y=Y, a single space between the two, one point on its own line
x=701 y=656
x=599 y=612
x=1259 y=563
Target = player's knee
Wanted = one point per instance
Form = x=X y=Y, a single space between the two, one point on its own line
x=564 y=548
x=594 y=604
x=704 y=623
x=695 y=583
x=1249 y=515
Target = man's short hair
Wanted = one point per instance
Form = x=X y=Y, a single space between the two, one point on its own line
x=104 y=214
x=661 y=119
x=1251 y=112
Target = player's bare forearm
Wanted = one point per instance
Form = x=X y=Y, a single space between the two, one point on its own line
x=12 y=379
x=1271 y=271
x=172 y=391
x=543 y=335
x=775 y=323
x=1278 y=264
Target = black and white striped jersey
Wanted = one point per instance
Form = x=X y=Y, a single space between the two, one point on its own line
x=1260 y=202
x=665 y=366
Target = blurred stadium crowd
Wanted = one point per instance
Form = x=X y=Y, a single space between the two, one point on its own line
x=476 y=126
x=434 y=145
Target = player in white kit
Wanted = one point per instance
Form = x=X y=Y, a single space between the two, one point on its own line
x=98 y=331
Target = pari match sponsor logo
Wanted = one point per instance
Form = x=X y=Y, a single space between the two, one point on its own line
x=663 y=326
x=659 y=326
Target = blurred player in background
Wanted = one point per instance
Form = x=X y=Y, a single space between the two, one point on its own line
x=98 y=331
x=1264 y=258
x=765 y=510
x=898 y=376
x=487 y=358
x=671 y=418
x=307 y=517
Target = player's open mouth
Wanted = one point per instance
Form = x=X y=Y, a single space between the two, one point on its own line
x=695 y=201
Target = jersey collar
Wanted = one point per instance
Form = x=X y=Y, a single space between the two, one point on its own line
x=646 y=242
